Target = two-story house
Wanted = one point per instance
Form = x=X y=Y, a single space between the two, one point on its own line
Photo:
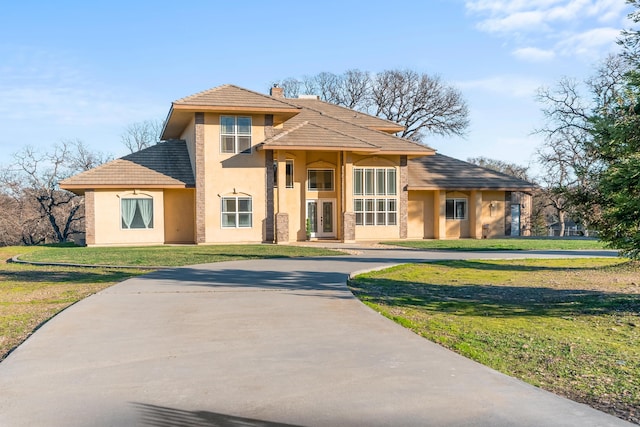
x=240 y=166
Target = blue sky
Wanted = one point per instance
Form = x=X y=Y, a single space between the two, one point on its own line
x=85 y=70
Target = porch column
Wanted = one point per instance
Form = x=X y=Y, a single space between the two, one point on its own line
x=475 y=214
x=282 y=217
x=269 y=232
x=200 y=181
x=439 y=215
x=404 y=197
x=348 y=216
x=89 y=217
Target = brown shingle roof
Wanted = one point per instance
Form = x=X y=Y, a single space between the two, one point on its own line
x=447 y=173
x=348 y=115
x=311 y=136
x=166 y=164
x=234 y=96
x=386 y=143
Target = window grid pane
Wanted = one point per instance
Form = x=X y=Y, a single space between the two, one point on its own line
x=391 y=182
x=236 y=212
x=380 y=182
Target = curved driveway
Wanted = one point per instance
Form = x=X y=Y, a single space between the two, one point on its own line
x=260 y=343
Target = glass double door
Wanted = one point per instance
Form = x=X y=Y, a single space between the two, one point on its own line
x=321 y=215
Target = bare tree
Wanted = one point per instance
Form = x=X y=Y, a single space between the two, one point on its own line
x=569 y=155
x=508 y=168
x=140 y=135
x=30 y=187
x=421 y=103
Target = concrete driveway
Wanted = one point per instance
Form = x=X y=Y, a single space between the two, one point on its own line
x=260 y=343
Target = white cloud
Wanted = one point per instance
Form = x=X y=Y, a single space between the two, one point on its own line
x=588 y=43
x=534 y=54
x=543 y=29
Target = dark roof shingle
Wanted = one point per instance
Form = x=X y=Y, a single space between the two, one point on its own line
x=446 y=173
x=165 y=164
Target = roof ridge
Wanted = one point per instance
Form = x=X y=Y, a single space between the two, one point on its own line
x=186 y=99
x=308 y=123
x=371 y=130
x=350 y=109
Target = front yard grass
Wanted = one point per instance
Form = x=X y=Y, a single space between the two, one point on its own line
x=30 y=295
x=168 y=256
x=510 y=244
x=570 y=326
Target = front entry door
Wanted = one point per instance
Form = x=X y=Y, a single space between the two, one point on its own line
x=321 y=215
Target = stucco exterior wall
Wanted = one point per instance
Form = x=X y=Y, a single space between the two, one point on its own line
x=188 y=135
x=421 y=215
x=108 y=228
x=179 y=216
x=493 y=208
x=244 y=175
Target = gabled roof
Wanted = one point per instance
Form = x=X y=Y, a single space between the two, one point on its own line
x=383 y=142
x=164 y=165
x=348 y=115
x=234 y=96
x=311 y=136
x=225 y=99
x=446 y=173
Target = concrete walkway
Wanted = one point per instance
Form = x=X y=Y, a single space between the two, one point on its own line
x=260 y=343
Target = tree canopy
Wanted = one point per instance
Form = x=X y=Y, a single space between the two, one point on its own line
x=423 y=104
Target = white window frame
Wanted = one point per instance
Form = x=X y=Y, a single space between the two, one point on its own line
x=123 y=225
x=455 y=202
x=236 y=134
x=376 y=211
x=236 y=213
x=378 y=185
x=375 y=201
x=333 y=179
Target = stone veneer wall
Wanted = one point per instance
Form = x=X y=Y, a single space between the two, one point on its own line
x=349 y=226
x=200 y=190
x=269 y=232
x=404 y=197
x=89 y=217
x=269 y=221
x=282 y=227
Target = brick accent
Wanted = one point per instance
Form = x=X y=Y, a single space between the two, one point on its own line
x=404 y=197
x=90 y=217
x=269 y=235
x=200 y=181
x=348 y=227
x=282 y=227
x=277 y=92
x=268 y=126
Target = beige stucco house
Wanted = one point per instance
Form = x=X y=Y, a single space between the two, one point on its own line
x=240 y=166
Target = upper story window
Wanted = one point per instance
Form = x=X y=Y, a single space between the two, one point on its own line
x=320 y=179
x=235 y=134
x=136 y=213
x=456 y=209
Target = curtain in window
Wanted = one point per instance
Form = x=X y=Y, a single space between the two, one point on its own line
x=145 y=206
x=128 y=211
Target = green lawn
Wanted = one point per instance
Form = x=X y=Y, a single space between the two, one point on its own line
x=167 y=255
x=512 y=244
x=569 y=326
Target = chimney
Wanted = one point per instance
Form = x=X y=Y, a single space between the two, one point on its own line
x=276 y=92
